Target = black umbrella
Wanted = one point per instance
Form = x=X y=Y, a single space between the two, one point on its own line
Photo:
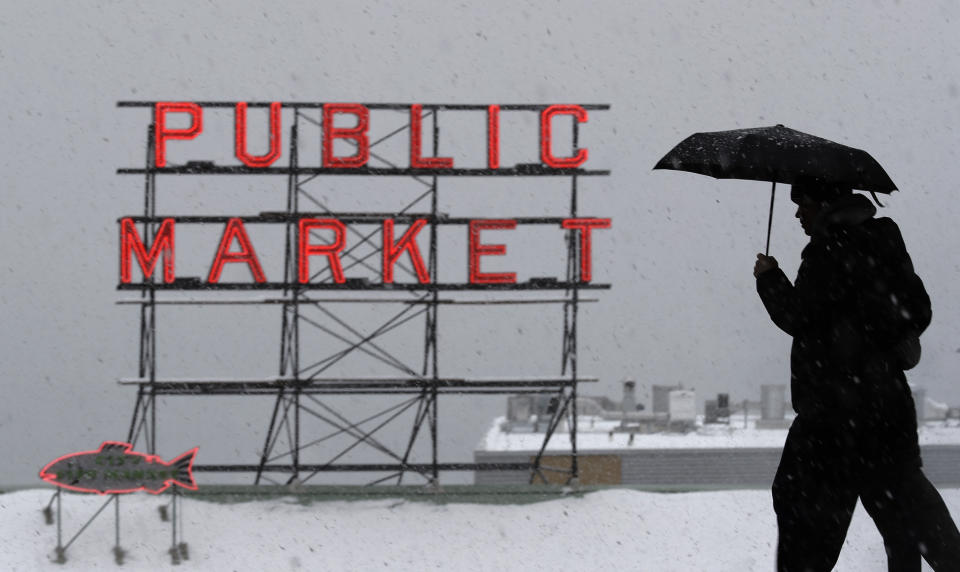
x=776 y=154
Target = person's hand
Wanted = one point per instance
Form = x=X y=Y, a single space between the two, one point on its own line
x=763 y=264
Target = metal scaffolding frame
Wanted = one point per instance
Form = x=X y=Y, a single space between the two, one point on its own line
x=300 y=390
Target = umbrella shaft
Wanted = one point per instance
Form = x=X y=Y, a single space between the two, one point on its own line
x=773 y=194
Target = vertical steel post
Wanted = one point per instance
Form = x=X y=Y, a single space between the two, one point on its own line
x=61 y=557
x=148 y=343
x=174 y=549
x=152 y=448
x=118 y=553
x=434 y=307
x=290 y=318
x=429 y=395
x=151 y=201
x=294 y=365
x=296 y=436
x=574 y=465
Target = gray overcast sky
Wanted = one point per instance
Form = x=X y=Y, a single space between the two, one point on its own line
x=881 y=76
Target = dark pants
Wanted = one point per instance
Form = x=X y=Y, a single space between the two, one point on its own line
x=823 y=472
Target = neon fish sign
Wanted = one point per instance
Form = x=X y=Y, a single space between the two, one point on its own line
x=115 y=468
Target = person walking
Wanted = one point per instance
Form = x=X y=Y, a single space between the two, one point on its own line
x=855 y=312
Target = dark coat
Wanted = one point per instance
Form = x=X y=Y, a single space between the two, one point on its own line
x=844 y=369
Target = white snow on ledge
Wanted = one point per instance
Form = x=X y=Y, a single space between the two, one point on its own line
x=594 y=434
x=617 y=529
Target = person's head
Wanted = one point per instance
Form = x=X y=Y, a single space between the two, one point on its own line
x=812 y=196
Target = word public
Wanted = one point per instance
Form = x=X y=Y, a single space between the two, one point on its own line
x=163 y=248
x=358 y=135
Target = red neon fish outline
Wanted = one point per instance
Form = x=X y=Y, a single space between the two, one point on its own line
x=127 y=450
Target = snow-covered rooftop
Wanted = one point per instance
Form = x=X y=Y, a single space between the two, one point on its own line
x=597 y=434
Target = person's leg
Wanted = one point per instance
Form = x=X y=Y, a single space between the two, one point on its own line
x=908 y=510
x=935 y=531
x=914 y=521
x=889 y=451
x=903 y=553
x=814 y=501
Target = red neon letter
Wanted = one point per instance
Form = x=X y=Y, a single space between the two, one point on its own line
x=331 y=251
x=493 y=137
x=358 y=133
x=162 y=133
x=476 y=250
x=240 y=132
x=392 y=252
x=235 y=229
x=162 y=246
x=417 y=161
x=585 y=225
x=546 y=144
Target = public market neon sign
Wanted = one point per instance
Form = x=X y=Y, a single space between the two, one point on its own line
x=235 y=246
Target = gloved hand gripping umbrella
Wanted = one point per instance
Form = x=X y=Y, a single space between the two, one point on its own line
x=777 y=154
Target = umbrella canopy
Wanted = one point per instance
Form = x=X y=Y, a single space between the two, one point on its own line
x=778 y=154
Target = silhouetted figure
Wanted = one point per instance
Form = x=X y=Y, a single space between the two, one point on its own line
x=855 y=311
